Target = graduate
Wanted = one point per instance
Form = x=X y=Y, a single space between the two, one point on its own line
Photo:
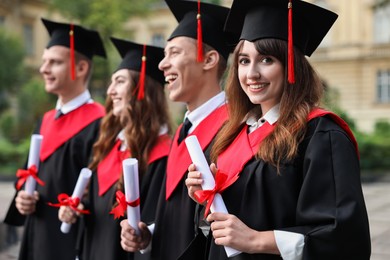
x=137 y=125
x=193 y=67
x=69 y=132
x=293 y=168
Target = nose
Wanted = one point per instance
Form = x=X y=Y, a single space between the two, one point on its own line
x=44 y=68
x=111 y=89
x=253 y=72
x=163 y=64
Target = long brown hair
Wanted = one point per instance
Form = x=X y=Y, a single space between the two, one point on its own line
x=296 y=103
x=143 y=119
x=108 y=131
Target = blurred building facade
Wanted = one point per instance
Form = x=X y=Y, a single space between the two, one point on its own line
x=354 y=59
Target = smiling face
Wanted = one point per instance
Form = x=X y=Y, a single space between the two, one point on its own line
x=118 y=90
x=181 y=70
x=55 y=70
x=261 y=76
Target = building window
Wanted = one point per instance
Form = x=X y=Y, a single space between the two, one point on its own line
x=382 y=22
x=158 y=40
x=383 y=86
x=28 y=37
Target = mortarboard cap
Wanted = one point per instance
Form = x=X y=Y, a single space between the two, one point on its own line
x=213 y=18
x=86 y=42
x=141 y=58
x=301 y=24
x=260 y=19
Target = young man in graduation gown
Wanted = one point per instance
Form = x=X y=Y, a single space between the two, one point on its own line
x=68 y=134
x=193 y=71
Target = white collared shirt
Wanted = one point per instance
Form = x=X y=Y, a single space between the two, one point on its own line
x=200 y=113
x=75 y=103
x=121 y=136
x=271 y=117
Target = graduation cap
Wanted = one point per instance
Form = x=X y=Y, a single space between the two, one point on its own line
x=75 y=37
x=203 y=22
x=300 y=23
x=142 y=58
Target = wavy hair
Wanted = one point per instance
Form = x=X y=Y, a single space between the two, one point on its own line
x=296 y=102
x=143 y=119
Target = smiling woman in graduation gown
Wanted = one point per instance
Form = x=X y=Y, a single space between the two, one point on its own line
x=136 y=125
x=293 y=168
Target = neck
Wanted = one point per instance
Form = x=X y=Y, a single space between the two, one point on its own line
x=66 y=97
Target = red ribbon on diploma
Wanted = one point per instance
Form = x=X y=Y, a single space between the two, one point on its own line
x=221 y=183
x=119 y=211
x=65 y=200
x=23 y=174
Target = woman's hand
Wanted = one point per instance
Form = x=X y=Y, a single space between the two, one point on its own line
x=26 y=203
x=130 y=241
x=68 y=215
x=230 y=231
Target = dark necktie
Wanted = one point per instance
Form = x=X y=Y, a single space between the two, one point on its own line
x=184 y=130
x=58 y=114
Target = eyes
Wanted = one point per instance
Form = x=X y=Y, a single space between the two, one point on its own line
x=245 y=60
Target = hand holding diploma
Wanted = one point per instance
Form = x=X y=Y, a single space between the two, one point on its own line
x=130 y=172
x=29 y=176
x=129 y=201
x=210 y=186
x=73 y=202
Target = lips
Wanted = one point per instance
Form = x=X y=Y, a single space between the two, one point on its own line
x=170 y=78
x=257 y=85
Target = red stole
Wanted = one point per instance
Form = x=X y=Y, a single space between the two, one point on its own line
x=57 y=132
x=109 y=169
x=179 y=158
x=245 y=146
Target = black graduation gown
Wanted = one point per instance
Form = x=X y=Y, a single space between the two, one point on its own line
x=318 y=195
x=102 y=232
x=176 y=227
x=42 y=238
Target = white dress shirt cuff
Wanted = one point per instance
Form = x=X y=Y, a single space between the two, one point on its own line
x=149 y=247
x=290 y=244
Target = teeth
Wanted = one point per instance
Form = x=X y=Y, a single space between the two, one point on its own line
x=257 y=86
x=170 y=78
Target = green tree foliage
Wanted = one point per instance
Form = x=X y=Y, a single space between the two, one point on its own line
x=11 y=67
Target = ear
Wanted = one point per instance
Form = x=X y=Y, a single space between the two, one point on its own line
x=211 y=60
x=82 y=68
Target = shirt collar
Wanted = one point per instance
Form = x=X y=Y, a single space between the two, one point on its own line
x=121 y=136
x=75 y=103
x=196 y=116
x=271 y=117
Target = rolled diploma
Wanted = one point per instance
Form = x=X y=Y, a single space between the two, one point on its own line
x=81 y=184
x=33 y=159
x=198 y=158
x=130 y=176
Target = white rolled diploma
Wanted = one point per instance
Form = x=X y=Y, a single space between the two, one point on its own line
x=130 y=176
x=198 y=158
x=78 y=192
x=33 y=159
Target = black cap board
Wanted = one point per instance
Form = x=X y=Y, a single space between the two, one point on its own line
x=260 y=19
x=86 y=42
x=213 y=20
x=132 y=54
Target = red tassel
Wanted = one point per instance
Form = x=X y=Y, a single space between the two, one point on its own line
x=141 y=83
x=200 y=35
x=291 y=70
x=72 y=58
